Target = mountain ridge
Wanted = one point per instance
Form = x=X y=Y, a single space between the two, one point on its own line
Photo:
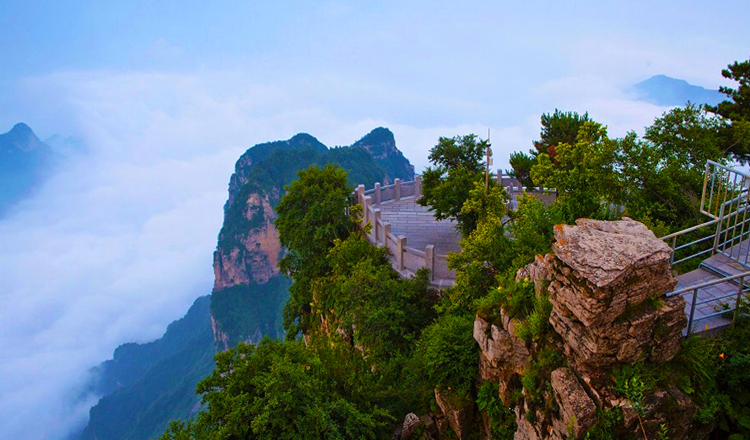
x=668 y=91
x=249 y=292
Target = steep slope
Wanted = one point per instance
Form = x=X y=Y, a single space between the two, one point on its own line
x=382 y=146
x=248 y=282
x=146 y=385
x=663 y=90
x=23 y=162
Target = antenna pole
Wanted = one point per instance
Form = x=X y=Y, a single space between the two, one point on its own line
x=487 y=165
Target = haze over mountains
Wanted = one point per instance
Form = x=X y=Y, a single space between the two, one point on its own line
x=24 y=160
x=666 y=91
x=174 y=397
x=146 y=385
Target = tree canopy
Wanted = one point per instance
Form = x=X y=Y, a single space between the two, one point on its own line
x=737 y=110
x=312 y=215
x=457 y=166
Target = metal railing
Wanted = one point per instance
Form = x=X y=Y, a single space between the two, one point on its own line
x=741 y=288
x=720 y=185
x=726 y=200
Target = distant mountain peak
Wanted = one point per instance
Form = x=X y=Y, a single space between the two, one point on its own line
x=665 y=90
x=20 y=138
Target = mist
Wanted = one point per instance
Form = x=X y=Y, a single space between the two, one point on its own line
x=118 y=240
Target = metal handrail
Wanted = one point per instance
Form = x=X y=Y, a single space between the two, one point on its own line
x=703 y=285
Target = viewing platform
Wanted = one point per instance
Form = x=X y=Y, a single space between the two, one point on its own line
x=412 y=234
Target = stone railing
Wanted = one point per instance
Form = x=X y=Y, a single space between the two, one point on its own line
x=405 y=259
x=514 y=189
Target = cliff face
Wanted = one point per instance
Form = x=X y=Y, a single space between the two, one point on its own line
x=247 y=255
x=257 y=257
x=606 y=284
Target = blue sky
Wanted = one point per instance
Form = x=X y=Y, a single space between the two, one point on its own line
x=167 y=94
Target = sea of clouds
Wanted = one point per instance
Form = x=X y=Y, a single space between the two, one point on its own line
x=118 y=240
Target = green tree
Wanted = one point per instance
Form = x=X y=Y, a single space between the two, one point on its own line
x=737 y=110
x=457 y=166
x=364 y=296
x=521 y=164
x=559 y=128
x=485 y=251
x=285 y=390
x=663 y=173
x=447 y=355
x=312 y=215
x=583 y=173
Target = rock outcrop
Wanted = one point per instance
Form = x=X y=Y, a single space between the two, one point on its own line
x=607 y=284
x=247 y=277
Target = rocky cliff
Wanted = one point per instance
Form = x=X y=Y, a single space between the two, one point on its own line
x=606 y=282
x=146 y=385
x=249 y=291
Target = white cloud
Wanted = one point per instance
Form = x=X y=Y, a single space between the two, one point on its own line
x=119 y=242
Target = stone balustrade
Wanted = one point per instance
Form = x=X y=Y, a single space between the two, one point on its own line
x=405 y=258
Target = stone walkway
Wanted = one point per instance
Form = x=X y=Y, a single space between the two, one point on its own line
x=418 y=224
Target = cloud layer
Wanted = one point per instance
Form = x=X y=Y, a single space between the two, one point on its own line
x=119 y=242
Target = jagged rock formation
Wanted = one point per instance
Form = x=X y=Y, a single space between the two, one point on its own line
x=249 y=292
x=146 y=385
x=23 y=161
x=607 y=283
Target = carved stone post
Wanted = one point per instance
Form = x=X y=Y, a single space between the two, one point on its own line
x=400 y=248
x=366 y=215
x=376 y=219
x=376 y=194
x=429 y=257
x=397 y=189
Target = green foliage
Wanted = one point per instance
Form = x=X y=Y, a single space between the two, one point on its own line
x=284 y=390
x=536 y=325
x=734 y=375
x=737 y=109
x=485 y=254
x=311 y=217
x=521 y=164
x=146 y=385
x=583 y=173
x=559 y=128
x=502 y=418
x=448 y=354
x=362 y=292
x=457 y=166
x=532 y=229
x=536 y=377
x=608 y=421
x=663 y=173
x=518 y=300
x=249 y=310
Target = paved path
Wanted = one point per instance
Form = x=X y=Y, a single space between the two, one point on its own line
x=418 y=224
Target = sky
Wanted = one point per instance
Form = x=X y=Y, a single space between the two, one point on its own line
x=165 y=96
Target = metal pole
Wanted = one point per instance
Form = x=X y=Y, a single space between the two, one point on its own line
x=692 y=312
x=739 y=295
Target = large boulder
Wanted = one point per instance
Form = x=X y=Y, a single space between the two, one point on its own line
x=607 y=289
